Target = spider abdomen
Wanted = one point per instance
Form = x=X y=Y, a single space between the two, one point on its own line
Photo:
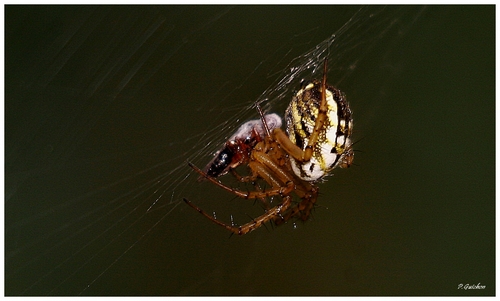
x=333 y=146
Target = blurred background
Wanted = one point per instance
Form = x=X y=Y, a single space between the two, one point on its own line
x=104 y=105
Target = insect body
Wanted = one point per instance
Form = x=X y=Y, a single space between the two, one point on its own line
x=237 y=149
x=317 y=139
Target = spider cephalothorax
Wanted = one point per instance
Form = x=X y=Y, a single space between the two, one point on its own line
x=317 y=139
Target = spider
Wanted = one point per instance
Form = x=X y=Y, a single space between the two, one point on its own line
x=317 y=139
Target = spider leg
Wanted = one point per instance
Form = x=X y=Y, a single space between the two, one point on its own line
x=243 y=179
x=271 y=214
x=293 y=150
x=280 y=190
x=253 y=179
x=320 y=120
x=302 y=209
x=290 y=148
x=268 y=133
x=283 y=140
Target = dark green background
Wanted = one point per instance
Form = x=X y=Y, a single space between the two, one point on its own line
x=414 y=216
